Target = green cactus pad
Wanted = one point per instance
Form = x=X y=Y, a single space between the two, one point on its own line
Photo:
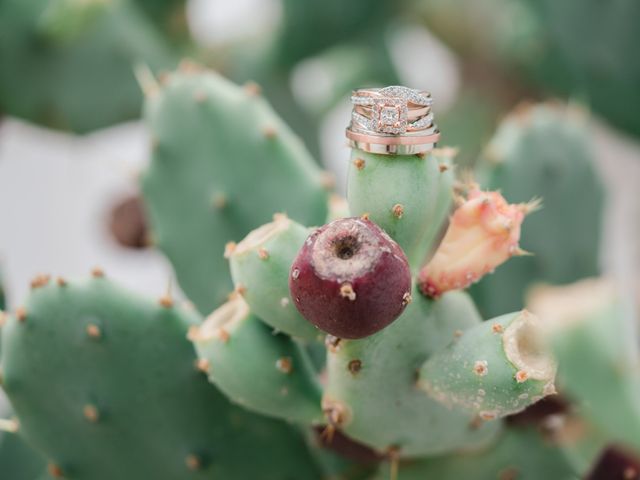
x=71 y=66
x=544 y=152
x=260 y=267
x=520 y=454
x=257 y=369
x=371 y=392
x=409 y=196
x=223 y=163
x=104 y=384
x=494 y=369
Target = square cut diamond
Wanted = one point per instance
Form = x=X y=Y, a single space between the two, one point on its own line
x=390 y=116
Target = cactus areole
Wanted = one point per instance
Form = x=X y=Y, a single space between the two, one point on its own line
x=350 y=278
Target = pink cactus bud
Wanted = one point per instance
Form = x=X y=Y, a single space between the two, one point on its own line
x=483 y=233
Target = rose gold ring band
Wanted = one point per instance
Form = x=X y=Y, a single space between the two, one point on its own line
x=392 y=145
x=393 y=139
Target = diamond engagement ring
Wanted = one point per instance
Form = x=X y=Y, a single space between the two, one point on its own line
x=392 y=120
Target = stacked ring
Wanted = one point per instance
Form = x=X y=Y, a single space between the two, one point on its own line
x=392 y=120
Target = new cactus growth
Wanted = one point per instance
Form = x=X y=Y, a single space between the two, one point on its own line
x=259 y=267
x=483 y=233
x=350 y=279
x=358 y=328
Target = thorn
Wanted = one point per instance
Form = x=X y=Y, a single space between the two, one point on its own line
x=335 y=413
x=347 y=291
x=443 y=168
x=285 y=365
x=61 y=282
x=240 y=289
x=398 y=210
x=328 y=433
x=97 y=272
x=229 y=248
x=147 y=82
x=280 y=217
x=332 y=343
x=421 y=155
x=531 y=206
x=519 y=252
x=202 y=365
x=252 y=88
x=21 y=314
x=359 y=163
x=365 y=216
x=521 y=376
x=223 y=335
x=41 y=280
x=458 y=200
x=481 y=368
x=487 y=415
x=263 y=253
x=193 y=462
x=91 y=413
x=93 y=331
x=166 y=301
x=497 y=328
x=269 y=132
x=219 y=201
x=406 y=299
x=9 y=425
x=355 y=366
x=55 y=471
x=457 y=334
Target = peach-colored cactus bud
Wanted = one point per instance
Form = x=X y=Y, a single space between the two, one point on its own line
x=483 y=233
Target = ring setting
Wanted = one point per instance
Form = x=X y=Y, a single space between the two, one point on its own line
x=392 y=120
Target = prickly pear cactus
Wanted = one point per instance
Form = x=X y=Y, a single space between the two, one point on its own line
x=223 y=163
x=104 y=384
x=359 y=328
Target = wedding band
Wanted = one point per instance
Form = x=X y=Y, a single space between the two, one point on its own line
x=392 y=120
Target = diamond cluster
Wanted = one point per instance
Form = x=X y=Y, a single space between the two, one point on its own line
x=390 y=109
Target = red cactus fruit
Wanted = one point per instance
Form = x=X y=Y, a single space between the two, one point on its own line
x=350 y=278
